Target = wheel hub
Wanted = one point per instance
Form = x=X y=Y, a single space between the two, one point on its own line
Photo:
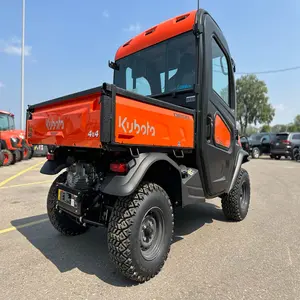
x=148 y=231
x=151 y=233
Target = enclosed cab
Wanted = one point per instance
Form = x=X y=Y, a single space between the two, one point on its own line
x=162 y=136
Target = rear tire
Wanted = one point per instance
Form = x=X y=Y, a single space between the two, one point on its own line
x=8 y=157
x=255 y=153
x=61 y=221
x=18 y=155
x=235 y=205
x=27 y=152
x=140 y=232
x=277 y=157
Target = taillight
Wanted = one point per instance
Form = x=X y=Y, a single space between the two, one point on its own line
x=50 y=156
x=286 y=142
x=119 y=167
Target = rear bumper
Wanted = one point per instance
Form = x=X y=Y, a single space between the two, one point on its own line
x=281 y=151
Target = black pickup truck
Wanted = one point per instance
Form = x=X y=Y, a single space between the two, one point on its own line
x=260 y=143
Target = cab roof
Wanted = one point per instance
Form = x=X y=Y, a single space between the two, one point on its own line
x=158 y=33
x=6 y=113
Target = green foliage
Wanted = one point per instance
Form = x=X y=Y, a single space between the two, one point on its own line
x=265 y=128
x=252 y=102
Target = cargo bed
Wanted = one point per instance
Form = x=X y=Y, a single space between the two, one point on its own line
x=108 y=116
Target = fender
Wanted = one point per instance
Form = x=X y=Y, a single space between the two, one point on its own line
x=241 y=158
x=52 y=167
x=121 y=186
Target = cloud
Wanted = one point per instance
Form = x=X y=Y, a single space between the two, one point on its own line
x=14 y=47
x=133 y=27
x=2 y=85
x=279 y=107
x=105 y=14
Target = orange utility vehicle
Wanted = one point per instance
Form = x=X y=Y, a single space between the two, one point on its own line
x=162 y=136
x=14 y=146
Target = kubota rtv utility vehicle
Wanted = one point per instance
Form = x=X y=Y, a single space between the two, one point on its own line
x=162 y=136
x=13 y=143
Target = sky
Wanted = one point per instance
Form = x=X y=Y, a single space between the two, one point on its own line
x=68 y=44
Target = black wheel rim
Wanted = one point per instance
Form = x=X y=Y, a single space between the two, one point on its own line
x=243 y=196
x=152 y=233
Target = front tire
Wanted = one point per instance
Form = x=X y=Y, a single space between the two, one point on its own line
x=140 y=232
x=278 y=157
x=235 y=205
x=8 y=158
x=61 y=221
x=255 y=153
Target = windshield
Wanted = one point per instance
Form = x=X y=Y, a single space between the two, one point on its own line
x=256 y=137
x=6 y=122
x=166 y=67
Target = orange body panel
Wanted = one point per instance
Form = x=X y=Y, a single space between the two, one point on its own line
x=157 y=34
x=144 y=124
x=222 y=135
x=68 y=123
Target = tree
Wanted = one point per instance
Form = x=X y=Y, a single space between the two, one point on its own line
x=252 y=102
x=265 y=128
x=297 y=123
x=279 y=128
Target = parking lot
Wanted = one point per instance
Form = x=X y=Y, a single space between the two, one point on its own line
x=210 y=258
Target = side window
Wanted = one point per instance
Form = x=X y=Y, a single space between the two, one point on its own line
x=220 y=75
x=266 y=139
x=142 y=84
x=296 y=137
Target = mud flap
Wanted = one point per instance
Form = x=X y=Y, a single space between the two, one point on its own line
x=192 y=191
x=241 y=158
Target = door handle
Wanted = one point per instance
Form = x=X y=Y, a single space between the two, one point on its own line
x=209 y=127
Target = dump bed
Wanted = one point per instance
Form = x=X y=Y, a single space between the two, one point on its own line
x=108 y=115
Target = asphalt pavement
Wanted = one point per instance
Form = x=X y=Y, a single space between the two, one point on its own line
x=210 y=258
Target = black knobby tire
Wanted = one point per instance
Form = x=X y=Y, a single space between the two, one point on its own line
x=255 y=153
x=8 y=157
x=27 y=152
x=127 y=240
x=18 y=155
x=61 y=221
x=235 y=205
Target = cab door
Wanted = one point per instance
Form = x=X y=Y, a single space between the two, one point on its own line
x=218 y=135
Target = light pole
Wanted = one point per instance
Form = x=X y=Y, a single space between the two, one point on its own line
x=22 y=65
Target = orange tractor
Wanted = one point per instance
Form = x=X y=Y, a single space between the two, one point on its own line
x=13 y=145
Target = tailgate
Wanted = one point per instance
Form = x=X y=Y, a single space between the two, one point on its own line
x=138 y=121
x=280 y=142
x=73 y=120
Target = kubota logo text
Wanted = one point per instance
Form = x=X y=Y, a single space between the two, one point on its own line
x=135 y=127
x=53 y=124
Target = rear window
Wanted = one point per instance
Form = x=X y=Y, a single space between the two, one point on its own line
x=282 y=137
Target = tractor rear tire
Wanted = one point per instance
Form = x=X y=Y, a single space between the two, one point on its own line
x=61 y=221
x=18 y=155
x=140 y=232
x=235 y=205
x=8 y=157
x=27 y=152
